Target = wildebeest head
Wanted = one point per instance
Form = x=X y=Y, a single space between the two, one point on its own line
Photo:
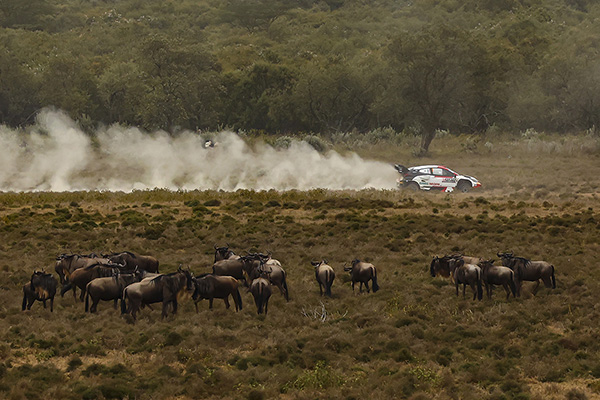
x=222 y=253
x=316 y=264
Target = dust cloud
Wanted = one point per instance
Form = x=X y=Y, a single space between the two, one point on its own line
x=56 y=155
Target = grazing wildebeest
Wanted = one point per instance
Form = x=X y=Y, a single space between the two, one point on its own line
x=363 y=272
x=164 y=288
x=82 y=276
x=41 y=287
x=467 y=274
x=224 y=253
x=67 y=263
x=108 y=288
x=527 y=270
x=325 y=276
x=497 y=275
x=131 y=261
x=209 y=286
x=261 y=291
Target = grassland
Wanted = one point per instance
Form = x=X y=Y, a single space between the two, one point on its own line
x=412 y=339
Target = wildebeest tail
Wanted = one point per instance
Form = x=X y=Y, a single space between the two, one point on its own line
x=124 y=302
x=374 y=279
x=328 y=283
x=479 y=287
x=553 y=278
x=287 y=292
x=238 y=298
x=512 y=285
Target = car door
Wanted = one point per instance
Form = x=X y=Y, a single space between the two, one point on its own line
x=423 y=178
x=442 y=178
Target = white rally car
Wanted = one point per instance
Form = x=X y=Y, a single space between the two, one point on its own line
x=436 y=177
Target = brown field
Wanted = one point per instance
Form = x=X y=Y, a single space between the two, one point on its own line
x=413 y=339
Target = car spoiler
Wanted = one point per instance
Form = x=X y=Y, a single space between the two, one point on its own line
x=401 y=168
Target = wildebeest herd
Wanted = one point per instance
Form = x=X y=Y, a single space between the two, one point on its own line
x=136 y=282
x=477 y=273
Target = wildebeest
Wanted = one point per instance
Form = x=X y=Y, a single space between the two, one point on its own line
x=363 y=272
x=261 y=291
x=108 y=288
x=41 y=287
x=527 y=270
x=238 y=268
x=497 y=275
x=441 y=266
x=164 y=288
x=467 y=274
x=67 y=263
x=82 y=276
x=272 y=270
x=325 y=276
x=209 y=286
x=131 y=261
x=224 y=253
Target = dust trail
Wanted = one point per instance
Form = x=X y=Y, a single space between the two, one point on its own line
x=55 y=155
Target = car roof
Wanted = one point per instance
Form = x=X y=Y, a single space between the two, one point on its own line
x=428 y=166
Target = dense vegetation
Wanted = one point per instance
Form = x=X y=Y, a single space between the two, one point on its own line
x=299 y=66
x=412 y=339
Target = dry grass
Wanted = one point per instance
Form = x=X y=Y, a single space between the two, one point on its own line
x=412 y=339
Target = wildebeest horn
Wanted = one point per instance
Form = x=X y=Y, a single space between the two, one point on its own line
x=325 y=261
x=215 y=246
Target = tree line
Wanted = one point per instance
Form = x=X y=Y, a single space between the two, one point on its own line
x=283 y=66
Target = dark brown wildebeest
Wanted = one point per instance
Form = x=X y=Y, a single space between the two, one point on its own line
x=67 y=263
x=363 y=272
x=108 y=288
x=527 y=270
x=497 y=275
x=82 y=276
x=224 y=253
x=209 y=286
x=261 y=291
x=325 y=276
x=131 y=261
x=235 y=267
x=467 y=274
x=164 y=288
x=441 y=266
x=41 y=287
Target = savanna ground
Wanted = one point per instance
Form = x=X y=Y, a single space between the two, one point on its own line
x=412 y=339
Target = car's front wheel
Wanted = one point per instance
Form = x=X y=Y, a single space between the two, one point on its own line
x=463 y=186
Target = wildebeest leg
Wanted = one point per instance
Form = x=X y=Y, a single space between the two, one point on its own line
x=115 y=304
x=507 y=290
x=320 y=289
x=196 y=304
x=82 y=295
x=464 y=289
x=44 y=301
x=367 y=286
x=210 y=303
x=94 y=306
x=537 y=286
x=51 y=304
x=266 y=306
x=226 y=300
x=474 y=289
x=547 y=281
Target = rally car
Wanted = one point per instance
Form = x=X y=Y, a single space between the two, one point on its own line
x=436 y=177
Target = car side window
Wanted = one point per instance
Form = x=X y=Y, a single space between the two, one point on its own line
x=438 y=171
x=445 y=172
x=425 y=171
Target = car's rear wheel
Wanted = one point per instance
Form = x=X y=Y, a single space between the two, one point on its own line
x=463 y=186
x=414 y=186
